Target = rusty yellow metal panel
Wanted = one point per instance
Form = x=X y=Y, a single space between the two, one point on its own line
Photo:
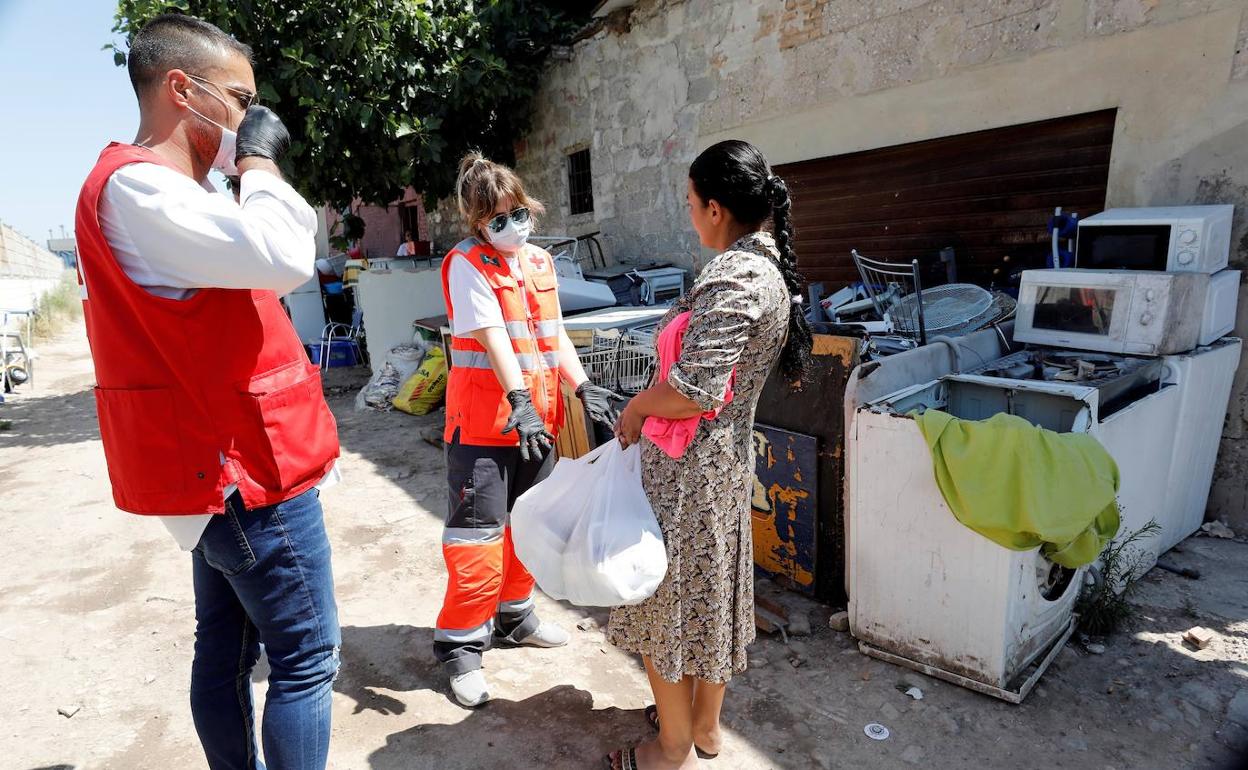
x=785 y=506
x=815 y=408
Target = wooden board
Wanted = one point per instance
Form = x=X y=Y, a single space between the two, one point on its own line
x=574 y=437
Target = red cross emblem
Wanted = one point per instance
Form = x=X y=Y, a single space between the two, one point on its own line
x=539 y=264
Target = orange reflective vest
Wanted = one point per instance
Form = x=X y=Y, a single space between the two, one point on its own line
x=476 y=405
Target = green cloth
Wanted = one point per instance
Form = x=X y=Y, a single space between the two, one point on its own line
x=1023 y=486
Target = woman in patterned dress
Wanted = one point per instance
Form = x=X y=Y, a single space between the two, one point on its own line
x=745 y=315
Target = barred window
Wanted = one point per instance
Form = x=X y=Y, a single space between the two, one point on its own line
x=580 y=183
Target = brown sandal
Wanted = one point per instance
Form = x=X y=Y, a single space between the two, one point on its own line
x=621 y=759
x=652 y=716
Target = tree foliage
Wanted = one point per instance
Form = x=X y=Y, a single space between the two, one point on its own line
x=382 y=94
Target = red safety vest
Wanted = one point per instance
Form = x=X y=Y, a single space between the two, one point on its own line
x=195 y=395
x=476 y=405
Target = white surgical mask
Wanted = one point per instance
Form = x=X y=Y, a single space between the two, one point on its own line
x=228 y=147
x=512 y=237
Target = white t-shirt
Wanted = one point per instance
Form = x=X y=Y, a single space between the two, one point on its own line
x=173 y=236
x=473 y=303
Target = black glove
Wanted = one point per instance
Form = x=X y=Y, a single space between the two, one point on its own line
x=601 y=404
x=535 y=442
x=261 y=135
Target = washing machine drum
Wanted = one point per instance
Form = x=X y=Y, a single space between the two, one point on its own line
x=1053 y=579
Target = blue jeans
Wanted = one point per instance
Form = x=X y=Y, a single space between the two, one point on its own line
x=263 y=577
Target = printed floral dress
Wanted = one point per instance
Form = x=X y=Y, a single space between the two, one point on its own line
x=701 y=619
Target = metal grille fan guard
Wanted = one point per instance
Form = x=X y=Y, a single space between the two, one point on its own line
x=944 y=307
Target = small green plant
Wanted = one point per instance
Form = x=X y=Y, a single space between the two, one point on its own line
x=1104 y=606
x=6 y=425
x=59 y=306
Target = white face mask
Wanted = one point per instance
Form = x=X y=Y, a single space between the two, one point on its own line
x=228 y=147
x=512 y=238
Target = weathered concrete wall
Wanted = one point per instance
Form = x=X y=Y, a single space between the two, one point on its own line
x=811 y=78
x=27 y=272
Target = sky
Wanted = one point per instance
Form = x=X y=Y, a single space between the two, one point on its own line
x=63 y=102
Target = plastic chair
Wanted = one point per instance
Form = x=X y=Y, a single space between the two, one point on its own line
x=339 y=332
x=887 y=283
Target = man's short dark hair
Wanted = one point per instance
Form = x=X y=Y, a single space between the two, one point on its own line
x=176 y=41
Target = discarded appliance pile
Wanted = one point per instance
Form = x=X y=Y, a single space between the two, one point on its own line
x=1130 y=351
x=892 y=311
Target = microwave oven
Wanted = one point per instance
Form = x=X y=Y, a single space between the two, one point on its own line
x=1194 y=239
x=1125 y=311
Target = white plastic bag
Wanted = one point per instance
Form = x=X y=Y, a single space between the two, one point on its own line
x=588 y=534
x=401 y=363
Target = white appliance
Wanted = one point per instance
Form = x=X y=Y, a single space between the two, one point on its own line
x=1177 y=239
x=1125 y=311
x=929 y=593
x=578 y=294
x=307 y=310
x=1220 y=306
x=661 y=285
x=1203 y=379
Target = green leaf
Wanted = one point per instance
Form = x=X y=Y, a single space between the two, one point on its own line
x=407 y=127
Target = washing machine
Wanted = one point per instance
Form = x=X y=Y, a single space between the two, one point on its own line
x=929 y=593
x=1203 y=379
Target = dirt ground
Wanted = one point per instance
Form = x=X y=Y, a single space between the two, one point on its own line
x=96 y=623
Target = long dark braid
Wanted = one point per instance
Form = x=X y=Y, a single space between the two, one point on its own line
x=795 y=357
x=736 y=174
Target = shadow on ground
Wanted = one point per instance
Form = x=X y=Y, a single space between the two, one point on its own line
x=391 y=657
x=536 y=732
x=42 y=421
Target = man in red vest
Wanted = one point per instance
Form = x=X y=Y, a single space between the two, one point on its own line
x=211 y=416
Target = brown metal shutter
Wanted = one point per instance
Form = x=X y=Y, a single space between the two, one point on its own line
x=988 y=194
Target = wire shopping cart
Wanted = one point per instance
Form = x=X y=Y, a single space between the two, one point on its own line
x=623 y=362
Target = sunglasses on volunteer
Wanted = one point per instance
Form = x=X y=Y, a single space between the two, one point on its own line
x=518 y=215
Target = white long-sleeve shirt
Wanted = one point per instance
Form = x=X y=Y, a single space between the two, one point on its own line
x=173 y=236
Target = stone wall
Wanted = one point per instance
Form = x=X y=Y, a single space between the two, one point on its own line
x=805 y=79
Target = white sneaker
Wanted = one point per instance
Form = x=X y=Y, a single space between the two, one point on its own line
x=470 y=689
x=547 y=635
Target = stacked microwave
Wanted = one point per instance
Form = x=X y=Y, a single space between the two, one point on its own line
x=1147 y=281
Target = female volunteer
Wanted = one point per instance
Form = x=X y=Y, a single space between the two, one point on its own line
x=503 y=409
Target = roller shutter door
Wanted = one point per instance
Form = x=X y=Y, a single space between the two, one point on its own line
x=987 y=194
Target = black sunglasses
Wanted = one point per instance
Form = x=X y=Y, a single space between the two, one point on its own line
x=499 y=221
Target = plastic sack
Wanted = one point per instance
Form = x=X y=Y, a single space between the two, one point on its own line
x=425 y=389
x=400 y=364
x=588 y=534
